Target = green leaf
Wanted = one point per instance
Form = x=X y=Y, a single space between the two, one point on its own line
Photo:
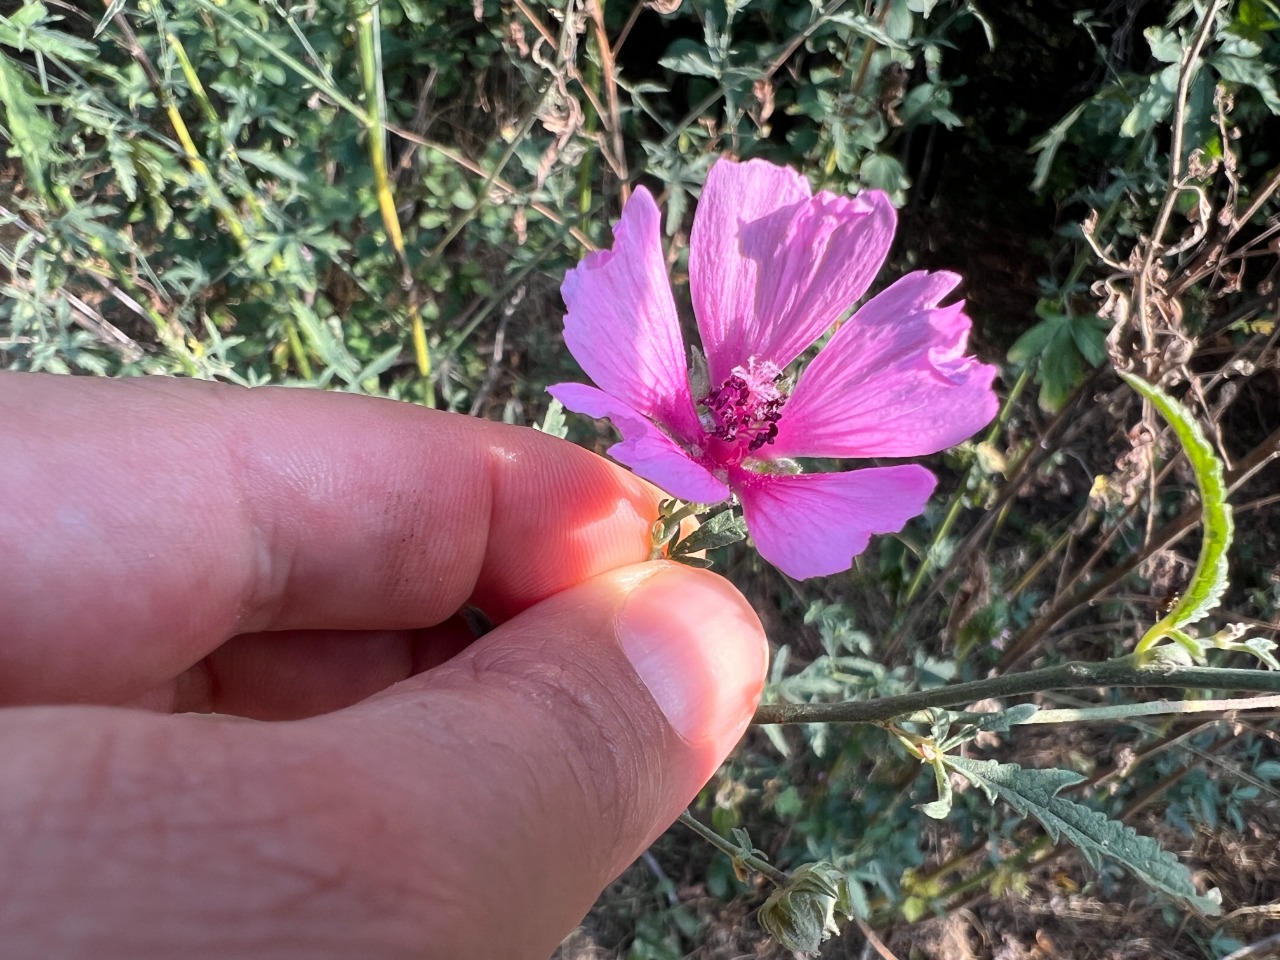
x=32 y=133
x=379 y=365
x=1047 y=146
x=689 y=57
x=1032 y=343
x=940 y=808
x=1090 y=337
x=553 y=421
x=879 y=171
x=27 y=30
x=861 y=25
x=1035 y=793
x=1153 y=104
x=1166 y=46
x=114 y=7
x=120 y=152
x=721 y=530
x=968 y=726
x=1255 y=73
x=1209 y=579
x=268 y=162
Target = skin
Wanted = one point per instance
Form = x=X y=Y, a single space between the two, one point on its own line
x=240 y=715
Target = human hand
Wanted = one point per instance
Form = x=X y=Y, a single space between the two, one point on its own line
x=177 y=556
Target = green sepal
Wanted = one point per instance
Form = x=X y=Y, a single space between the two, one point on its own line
x=803 y=912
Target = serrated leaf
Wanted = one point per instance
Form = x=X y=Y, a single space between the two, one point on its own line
x=1209 y=579
x=30 y=131
x=120 y=153
x=689 y=57
x=1035 y=793
x=721 y=530
x=27 y=29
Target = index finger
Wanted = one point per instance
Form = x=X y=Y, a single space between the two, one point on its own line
x=147 y=521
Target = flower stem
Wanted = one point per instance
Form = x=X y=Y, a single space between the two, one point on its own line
x=733 y=851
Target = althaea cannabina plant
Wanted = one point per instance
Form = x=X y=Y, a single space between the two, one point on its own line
x=771 y=268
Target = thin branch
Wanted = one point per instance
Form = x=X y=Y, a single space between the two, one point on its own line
x=1068 y=676
x=732 y=850
x=1190 y=62
x=1153 y=708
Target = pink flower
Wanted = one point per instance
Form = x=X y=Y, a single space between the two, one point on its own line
x=771 y=268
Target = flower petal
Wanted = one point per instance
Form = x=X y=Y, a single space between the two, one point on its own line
x=812 y=525
x=622 y=325
x=644 y=448
x=894 y=381
x=771 y=267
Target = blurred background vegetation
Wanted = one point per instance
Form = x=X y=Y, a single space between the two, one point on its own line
x=383 y=197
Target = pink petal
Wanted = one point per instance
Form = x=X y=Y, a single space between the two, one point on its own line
x=772 y=267
x=644 y=448
x=622 y=325
x=812 y=525
x=894 y=381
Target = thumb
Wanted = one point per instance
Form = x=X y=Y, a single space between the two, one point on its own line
x=563 y=743
x=475 y=810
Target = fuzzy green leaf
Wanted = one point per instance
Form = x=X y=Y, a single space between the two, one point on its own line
x=939 y=809
x=689 y=57
x=1209 y=579
x=953 y=729
x=1035 y=792
x=721 y=530
x=553 y=421
x=30 y=131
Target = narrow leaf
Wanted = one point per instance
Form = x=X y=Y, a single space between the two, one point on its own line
x=1035 y=792
x=268 y=162
x=1209 y=579
x=114 y=7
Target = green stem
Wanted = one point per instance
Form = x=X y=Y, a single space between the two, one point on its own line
x=732 y=850
x=1122 y=672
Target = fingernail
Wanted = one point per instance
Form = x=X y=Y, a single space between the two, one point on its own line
x=699 y=648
